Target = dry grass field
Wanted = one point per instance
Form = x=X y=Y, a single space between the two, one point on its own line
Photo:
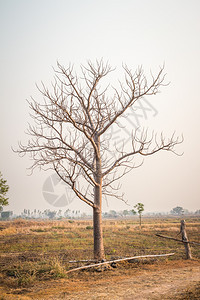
x=35 y=256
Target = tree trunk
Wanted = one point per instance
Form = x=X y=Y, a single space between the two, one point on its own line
x=97 y=210
x=98 y=235
x=185 y=239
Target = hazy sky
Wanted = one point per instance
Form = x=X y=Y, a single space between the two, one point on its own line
x=37 y=33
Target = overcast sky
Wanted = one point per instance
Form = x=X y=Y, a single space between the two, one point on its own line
x=37 y=33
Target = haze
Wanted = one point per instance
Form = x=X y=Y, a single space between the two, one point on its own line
x=36 y=34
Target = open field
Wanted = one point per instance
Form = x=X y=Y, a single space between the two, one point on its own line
x=35 y=256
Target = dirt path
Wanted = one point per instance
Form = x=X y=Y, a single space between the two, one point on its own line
x=166 y=281
x=163 y=284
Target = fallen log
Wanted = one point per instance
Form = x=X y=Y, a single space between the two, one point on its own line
x=177 y=240
x=118 y=260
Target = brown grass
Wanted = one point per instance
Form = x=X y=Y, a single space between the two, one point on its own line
x=33 y=252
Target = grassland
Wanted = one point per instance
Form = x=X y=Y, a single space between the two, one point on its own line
x=37 y=253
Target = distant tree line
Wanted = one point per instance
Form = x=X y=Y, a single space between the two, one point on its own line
x=77 y=214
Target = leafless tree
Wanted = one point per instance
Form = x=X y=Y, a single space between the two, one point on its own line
x=70 y=132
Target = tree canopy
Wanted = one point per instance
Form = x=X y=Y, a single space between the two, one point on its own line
x=178 y=210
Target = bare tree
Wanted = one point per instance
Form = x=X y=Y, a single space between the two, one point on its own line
x=70 y=133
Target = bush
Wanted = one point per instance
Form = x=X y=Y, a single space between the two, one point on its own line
x=89 y=227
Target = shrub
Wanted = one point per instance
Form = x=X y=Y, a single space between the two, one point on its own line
x=89 y=227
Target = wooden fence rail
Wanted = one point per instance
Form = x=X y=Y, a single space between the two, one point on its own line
x=177 y=240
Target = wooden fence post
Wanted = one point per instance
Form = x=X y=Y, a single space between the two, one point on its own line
x=185 y=239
